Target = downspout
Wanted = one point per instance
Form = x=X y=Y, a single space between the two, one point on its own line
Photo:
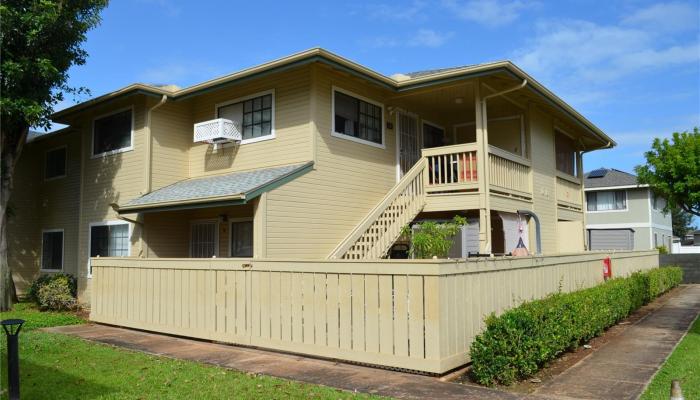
x=485 y=151
x=538 y=236
x=148 y=168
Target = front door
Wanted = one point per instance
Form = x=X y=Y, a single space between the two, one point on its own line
x=409 y=144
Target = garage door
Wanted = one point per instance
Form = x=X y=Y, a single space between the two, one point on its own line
x=611 y=239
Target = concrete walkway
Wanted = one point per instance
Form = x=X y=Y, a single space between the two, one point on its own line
x=623 y=367
x=618 y=370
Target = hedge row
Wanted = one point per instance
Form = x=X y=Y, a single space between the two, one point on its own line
x=520 y=341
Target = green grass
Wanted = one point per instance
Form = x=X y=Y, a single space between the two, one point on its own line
x=55 y=366
x=684 y=365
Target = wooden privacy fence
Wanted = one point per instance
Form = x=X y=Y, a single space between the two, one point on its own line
x=418 y=315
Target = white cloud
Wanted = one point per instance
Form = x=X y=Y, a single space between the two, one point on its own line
x=422 y=38
x=397 y=12
x=491 y=13
x=666 y=17
x=429 y=38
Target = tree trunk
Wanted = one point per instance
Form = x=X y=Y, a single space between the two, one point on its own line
x=6 y=282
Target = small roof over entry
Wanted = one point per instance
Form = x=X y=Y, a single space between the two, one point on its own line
x=214 y=191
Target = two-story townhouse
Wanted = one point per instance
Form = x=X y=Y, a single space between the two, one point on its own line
x=334 y=159
x=621 y=214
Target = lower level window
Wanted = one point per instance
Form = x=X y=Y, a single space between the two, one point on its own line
x=52 y=250
x=242 y=239
x=109 y=240
x=204 y=237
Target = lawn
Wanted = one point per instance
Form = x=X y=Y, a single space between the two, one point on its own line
x=54 y=366
x=683 y=365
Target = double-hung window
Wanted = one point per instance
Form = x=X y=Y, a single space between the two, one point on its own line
x=204 y=239
x=254 y=116
x=52 y=250
x=242 y=238
x=109 y=239
x=112 y=133
x=606 y=200
x=55 y=163
x=357 y=119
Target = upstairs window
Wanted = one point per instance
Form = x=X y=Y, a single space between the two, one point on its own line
x=606 y=200
x=112 y=133
x=566 y=154
x=55 y=163
x=659 y=203
x=357 y=119
x=253 y=115
x=52 y=250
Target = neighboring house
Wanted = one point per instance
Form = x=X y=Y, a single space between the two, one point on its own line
x=624 y=215
x=310 y=156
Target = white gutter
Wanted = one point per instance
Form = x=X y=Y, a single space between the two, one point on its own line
x=149 y=146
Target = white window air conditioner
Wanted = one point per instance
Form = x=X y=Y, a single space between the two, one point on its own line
x=217 y=132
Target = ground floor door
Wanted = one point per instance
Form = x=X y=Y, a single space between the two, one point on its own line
x=408 y=142
x=611 y=239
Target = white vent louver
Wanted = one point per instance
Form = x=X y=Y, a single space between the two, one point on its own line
x=217 y=131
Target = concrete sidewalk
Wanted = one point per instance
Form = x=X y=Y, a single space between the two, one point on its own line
x=623 y=367
x=620 y=369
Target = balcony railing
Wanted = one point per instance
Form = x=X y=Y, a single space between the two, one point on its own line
x=568 y=191
x=509 y=173
x=451 y=168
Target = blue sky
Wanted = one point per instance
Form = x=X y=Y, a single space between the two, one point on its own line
x=632 y=67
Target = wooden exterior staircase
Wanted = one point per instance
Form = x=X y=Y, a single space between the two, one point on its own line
x=376 y=233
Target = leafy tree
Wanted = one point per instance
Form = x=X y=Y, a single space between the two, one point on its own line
x=39 y=41
x=673 y=171
x=682 y=222
x=433 y=239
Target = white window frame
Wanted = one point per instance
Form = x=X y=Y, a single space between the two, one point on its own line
x=232 y=221
x=352 y=138
x=65 y=163
x=627 y=205
x=105 y=223
x=216 y=234
x=272 y=134
x=116 y=151
x=63 y=250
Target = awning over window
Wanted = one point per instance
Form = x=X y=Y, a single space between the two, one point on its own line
x=214 y=191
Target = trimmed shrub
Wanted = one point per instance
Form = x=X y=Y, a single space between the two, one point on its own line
x=33 y=291
x=520 y=341
x=56 y=295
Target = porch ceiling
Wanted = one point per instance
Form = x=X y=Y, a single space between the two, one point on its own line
x=219 y=190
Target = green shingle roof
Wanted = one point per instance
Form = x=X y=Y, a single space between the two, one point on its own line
x=246 y=185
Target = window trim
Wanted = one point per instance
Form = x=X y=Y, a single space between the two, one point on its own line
x=63 y=250
x=216 y=233
x=232 y=221
x=273 y=133
x=627 y=206
x=106 y=223
x=352 y=138
x=65 y=163
x=116 y=151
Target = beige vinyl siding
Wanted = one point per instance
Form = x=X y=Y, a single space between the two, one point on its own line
x=115 y=178
x=42 y=205
x=292 y=142
x=171 y=132
x=543 y=176
x=23 y=229
x=309 y=216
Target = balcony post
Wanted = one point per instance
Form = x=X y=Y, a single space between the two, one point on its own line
x=482 y=154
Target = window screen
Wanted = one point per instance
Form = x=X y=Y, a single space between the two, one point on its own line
x=52 y=250
x=203 y=239
x=112 y=133
x=356 y=118
x=242 y=239
x=55 y=166
x=254 y=116
x=566 y=154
